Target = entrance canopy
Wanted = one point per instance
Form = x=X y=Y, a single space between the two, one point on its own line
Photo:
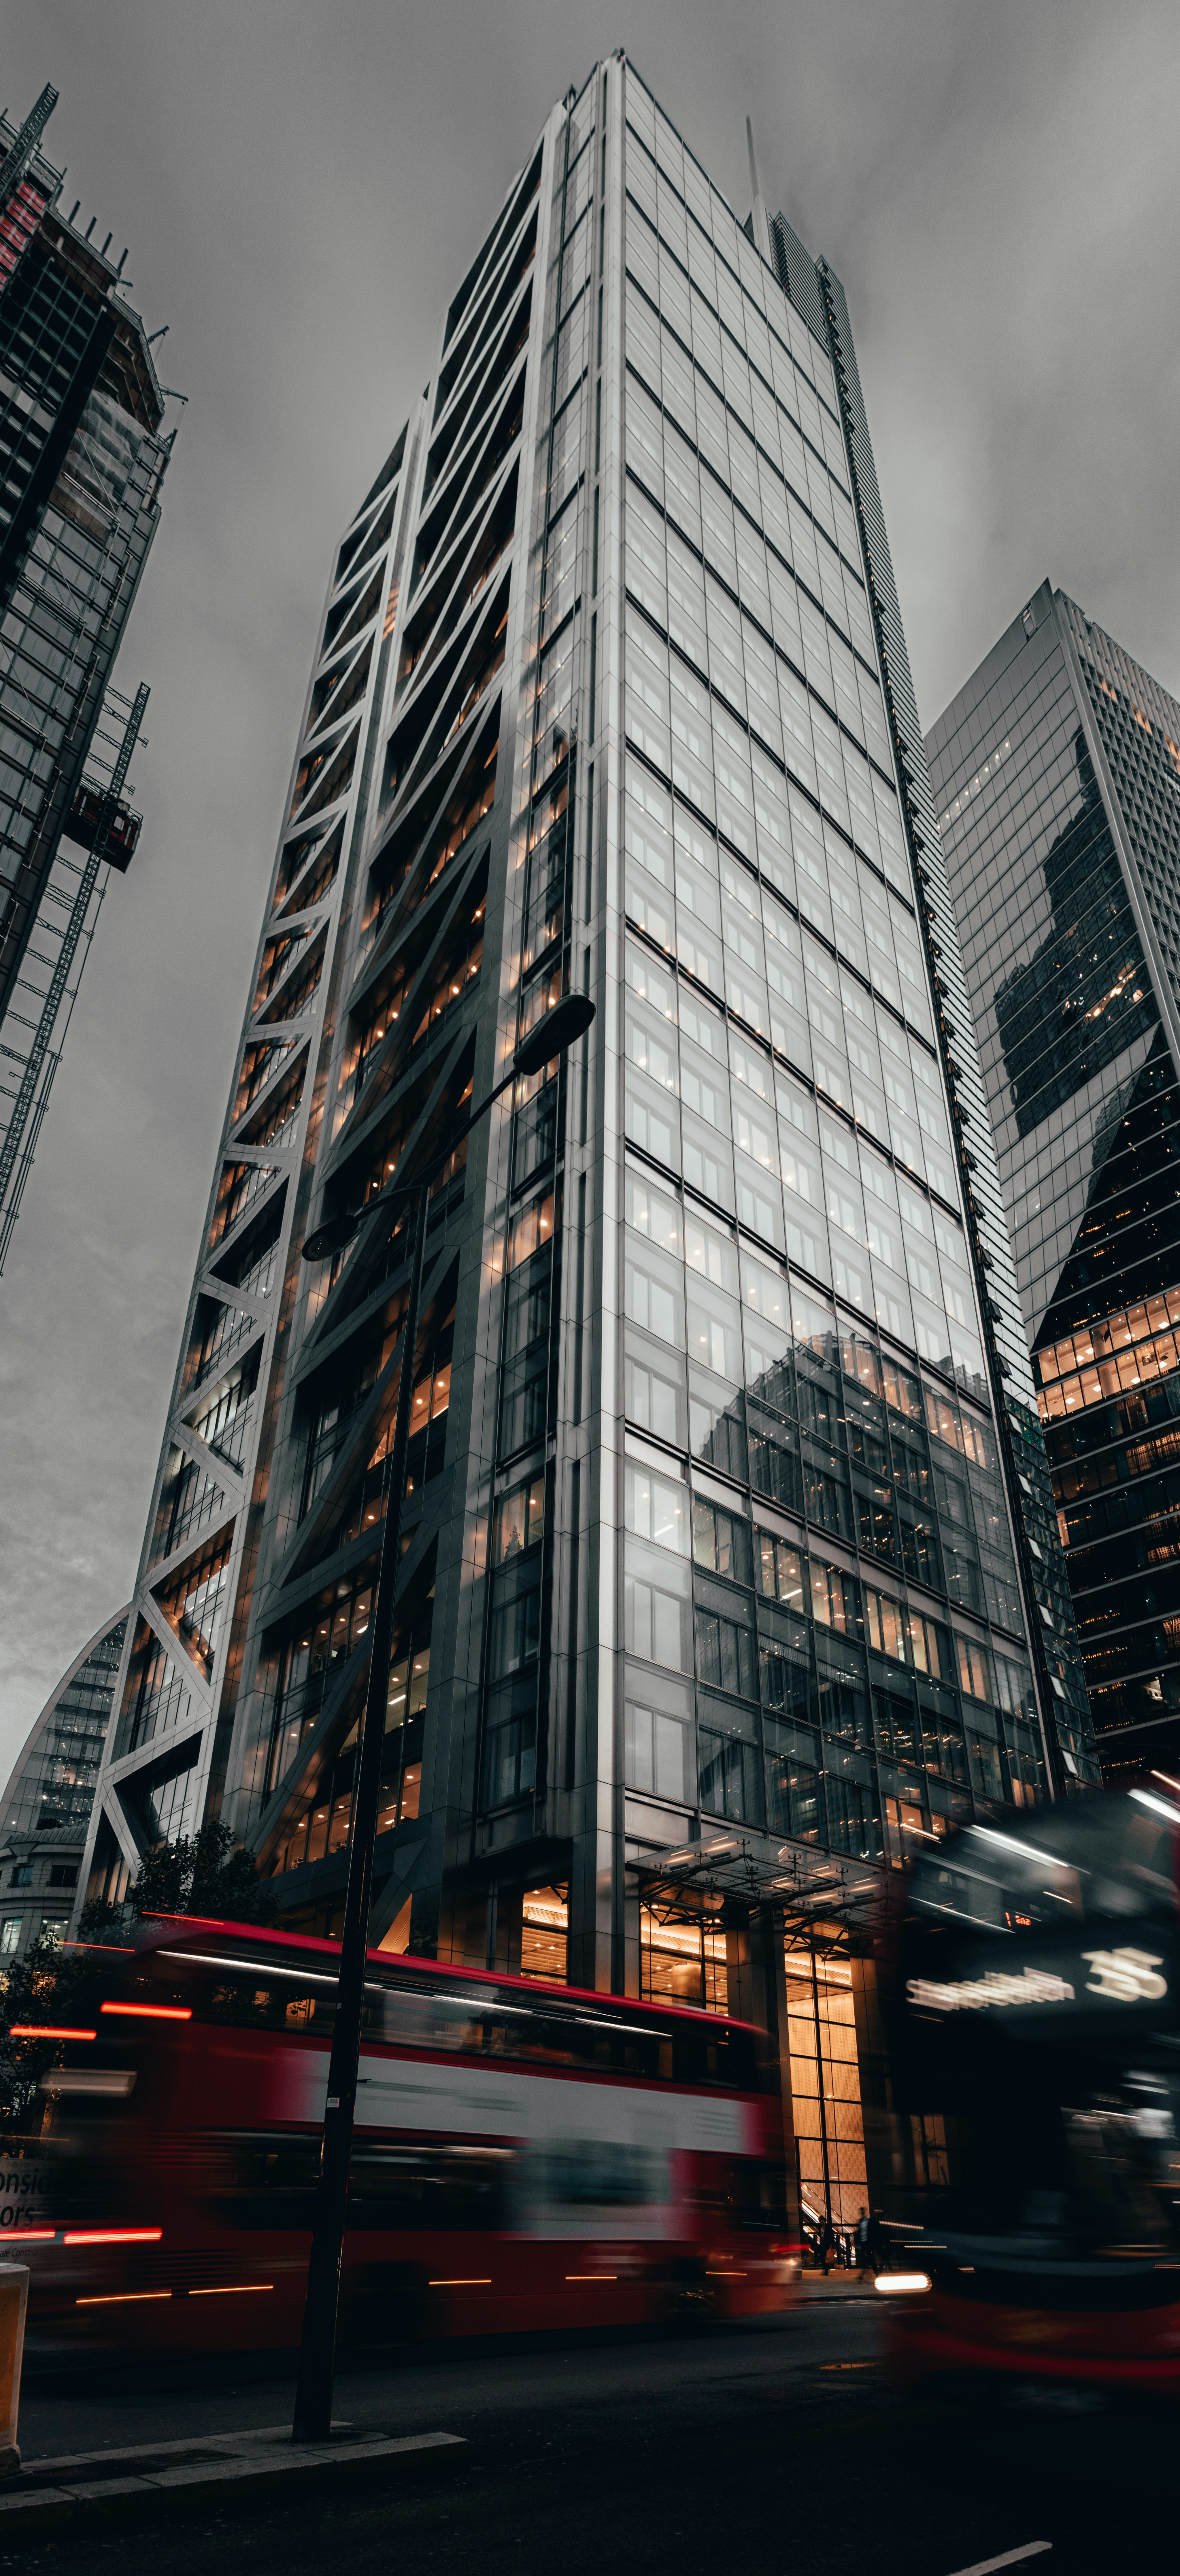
x=809 y=1886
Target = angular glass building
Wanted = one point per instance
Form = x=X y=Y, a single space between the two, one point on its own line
x=45 y=1809
x=1057 y=776
x=81 y=462
x=729 y=1561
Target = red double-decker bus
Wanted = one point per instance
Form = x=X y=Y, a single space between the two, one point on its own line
x=525 y=2156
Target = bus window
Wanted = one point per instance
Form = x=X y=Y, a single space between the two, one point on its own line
x=595 y=2173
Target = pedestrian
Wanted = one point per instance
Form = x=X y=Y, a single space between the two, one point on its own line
x=864 y=2244
x=827 y=2245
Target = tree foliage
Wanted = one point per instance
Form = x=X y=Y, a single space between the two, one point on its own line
x=197 y=1874
x=49 y=1985
x=202 y=1873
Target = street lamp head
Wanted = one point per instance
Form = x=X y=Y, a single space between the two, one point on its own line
x=556 y=1031
x=332 y=1236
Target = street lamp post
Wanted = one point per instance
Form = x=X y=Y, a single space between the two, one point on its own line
x=555 y=1033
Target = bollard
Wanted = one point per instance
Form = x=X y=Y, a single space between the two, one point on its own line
x=14 y=2295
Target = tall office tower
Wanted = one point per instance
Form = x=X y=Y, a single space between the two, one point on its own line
x=81 y=460
x=716 y=1581
x=1057 y=776
x=45 y=1809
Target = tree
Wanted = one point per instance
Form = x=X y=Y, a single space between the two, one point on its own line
x=54 y=1986
x=197 y=1874
x=202 y=1873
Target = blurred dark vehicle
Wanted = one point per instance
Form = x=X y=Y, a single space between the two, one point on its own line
x=1038 y=2069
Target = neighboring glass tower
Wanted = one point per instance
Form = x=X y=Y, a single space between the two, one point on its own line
x=81 y=461
x=1057 y=775
x=720 y=1584
x=45 y=1809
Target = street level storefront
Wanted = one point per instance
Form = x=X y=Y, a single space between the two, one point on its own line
x=789 y=1936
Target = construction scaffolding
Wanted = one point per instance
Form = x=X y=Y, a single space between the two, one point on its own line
x=102 y=823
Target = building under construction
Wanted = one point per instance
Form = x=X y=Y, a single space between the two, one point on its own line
x=81 y=462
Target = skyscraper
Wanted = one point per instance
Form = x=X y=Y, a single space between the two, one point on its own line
x=719 y=1582
x=1057 y=775
x=81 y=460
x=45 y=1808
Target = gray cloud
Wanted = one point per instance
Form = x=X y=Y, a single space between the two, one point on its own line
x=301 y=189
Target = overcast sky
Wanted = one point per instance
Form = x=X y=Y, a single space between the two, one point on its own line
x=301 y=188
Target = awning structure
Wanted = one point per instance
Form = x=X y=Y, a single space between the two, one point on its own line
x=810 y=1887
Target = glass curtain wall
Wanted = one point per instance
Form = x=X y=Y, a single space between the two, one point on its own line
x=1058 y=769
x=822 y=1615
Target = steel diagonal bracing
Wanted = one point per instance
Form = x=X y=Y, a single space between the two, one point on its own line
x=318 y=820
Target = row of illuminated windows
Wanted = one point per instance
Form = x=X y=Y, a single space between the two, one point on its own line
x=1141 y=1367
x=1098 y=1341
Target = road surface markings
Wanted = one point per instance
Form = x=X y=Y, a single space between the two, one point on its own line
x=1010 y=2558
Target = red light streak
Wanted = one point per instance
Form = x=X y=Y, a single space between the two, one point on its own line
x=232 y=2290
x=32 y=2236
x=43 y=2030
x=151 y=2012
x=113 y=2235
x=210 y=1922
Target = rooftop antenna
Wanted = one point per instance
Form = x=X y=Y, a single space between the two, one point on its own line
x=761 y=227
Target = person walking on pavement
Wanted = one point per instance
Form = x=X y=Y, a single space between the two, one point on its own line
x=827 y=2245
x=864 y=2245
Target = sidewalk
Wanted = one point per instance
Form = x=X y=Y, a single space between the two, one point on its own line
x=221 y=2468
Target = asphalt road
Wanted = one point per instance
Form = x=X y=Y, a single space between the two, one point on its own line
x=780 y=2444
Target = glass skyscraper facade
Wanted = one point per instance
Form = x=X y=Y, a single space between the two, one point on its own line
x=729 y=1560
x=1057 y=775
x=45 y=1808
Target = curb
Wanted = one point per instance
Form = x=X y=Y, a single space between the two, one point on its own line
x=48 y=2495
x=816 y=2287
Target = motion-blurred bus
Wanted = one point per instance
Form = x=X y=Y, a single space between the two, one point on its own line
x=1039 y=2069
x=525 y=2156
